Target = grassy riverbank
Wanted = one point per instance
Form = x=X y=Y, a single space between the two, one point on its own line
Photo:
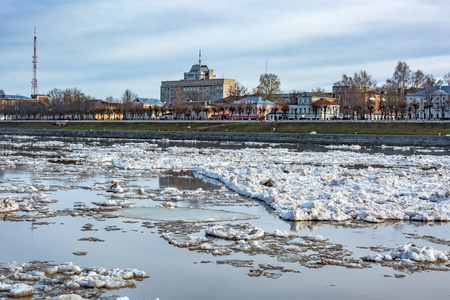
x=338 y=127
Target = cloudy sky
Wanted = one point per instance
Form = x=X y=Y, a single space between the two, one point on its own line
x=105 y=47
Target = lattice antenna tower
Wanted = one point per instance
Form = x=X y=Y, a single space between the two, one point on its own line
x=34 y=87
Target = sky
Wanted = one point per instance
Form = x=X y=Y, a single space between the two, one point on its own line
x=107 y=46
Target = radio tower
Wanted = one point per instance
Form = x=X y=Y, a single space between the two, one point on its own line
x=34 y=90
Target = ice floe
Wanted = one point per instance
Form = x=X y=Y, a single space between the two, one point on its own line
x=42 y=279
x=410 y=251
x=243 y=233
x=320 y=186
x=7 y=205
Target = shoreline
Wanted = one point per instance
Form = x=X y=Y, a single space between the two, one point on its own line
x=296 y=138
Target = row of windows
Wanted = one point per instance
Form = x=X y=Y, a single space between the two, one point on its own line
x=194 y=88
x=299 y=111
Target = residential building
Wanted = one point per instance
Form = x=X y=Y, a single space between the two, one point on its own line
x=19 y=107
x=247 y=108
x=432 y=103
x=312 y=105
x=198 y=85
x=147 y=102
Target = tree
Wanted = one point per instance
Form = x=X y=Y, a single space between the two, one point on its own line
x=248 y=109
x=111 y=99
x=197 y=108
x=318 y=90
x=293 y=97
x=2 y=94
x=179 y=96
x=128 y=96
x=418 y=79
x=269 y=84
x=237 y=90
x=447 y=78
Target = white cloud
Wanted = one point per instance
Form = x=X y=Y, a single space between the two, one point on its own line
x=105 y=47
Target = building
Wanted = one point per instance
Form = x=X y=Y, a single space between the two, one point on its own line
x=147 y=102
x=252 y=108
x=198 y=85
x=432 y=103
x=312 y=105
x=13 y=107
x=325 y=109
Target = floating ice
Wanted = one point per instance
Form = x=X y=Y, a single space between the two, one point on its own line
x=182 y=214
x=422 y=254
x=233 y=233
x=7 y=205
x=20 y=290
x=115 y=188
x=62 y=278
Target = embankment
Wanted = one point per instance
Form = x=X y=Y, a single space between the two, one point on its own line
x=275 y=137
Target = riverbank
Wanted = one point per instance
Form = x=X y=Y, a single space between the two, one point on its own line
x=321 y=127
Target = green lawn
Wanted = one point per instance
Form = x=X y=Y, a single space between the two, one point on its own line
x=338 y=127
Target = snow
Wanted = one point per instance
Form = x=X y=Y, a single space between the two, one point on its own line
x=19 y=290
x=69 y=276
x=304 y=186
x=336 y=185
x=7 y=205
x=411 y=252
x=230 y=233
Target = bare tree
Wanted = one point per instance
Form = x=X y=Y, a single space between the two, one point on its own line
x=418 y=79
x=402 y=77
x=447 y=78
x=2 y=94
x=197 y=108
x=268 y=86
x=179 y=96
x=318 y=90
x=237 y=90
x=128 y=96
x=293 y=97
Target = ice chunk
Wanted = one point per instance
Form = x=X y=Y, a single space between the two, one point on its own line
x=115 y=188
x=70 y=297
x=418 y=253
x=19 y=290
x=7 y=205
x=235 y=233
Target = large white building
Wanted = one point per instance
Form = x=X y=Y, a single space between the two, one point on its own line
x=198 y=85
x=311 y=105
x=432 y=103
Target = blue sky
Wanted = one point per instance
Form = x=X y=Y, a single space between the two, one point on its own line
x=105 y=47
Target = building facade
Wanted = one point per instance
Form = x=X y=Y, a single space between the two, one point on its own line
x=198 y=85
x=312 y=106
x=432 y=103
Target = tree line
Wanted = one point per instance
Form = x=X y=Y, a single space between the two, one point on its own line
x=351 y=91
x=354 y=91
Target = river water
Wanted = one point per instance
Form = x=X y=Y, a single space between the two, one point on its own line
x=147 y=240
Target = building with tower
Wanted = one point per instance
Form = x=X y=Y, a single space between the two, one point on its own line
x=198 y=85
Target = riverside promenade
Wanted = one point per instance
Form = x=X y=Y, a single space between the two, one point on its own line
x=275 y=137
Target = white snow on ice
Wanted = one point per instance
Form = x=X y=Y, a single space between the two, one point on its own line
x=325 y=186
